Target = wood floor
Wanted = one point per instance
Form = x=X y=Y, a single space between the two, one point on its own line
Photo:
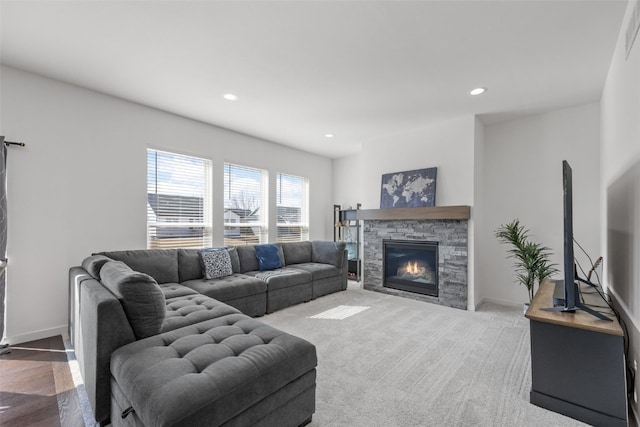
x=36 y=386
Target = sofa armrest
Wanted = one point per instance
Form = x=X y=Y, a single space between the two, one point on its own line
x=328 y=253
x=105 y=328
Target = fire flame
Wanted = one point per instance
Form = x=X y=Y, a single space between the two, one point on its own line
x=412 y=268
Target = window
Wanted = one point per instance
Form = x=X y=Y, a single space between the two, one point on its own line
x=291 y=208
x=178 y=201
x=245 y=217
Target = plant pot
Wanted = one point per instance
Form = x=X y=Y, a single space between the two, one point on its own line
x=525 y=307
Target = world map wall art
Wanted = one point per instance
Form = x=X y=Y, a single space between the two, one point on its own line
x=410 y=189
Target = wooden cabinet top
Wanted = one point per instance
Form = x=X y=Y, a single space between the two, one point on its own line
x=579 y=319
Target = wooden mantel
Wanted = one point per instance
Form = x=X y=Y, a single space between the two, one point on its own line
x=436 y=212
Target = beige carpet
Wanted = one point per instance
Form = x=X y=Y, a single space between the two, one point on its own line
x=402 y=362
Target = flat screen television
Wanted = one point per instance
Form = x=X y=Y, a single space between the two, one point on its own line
x=572 y=300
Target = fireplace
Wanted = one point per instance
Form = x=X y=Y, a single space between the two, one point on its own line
x=411 y=265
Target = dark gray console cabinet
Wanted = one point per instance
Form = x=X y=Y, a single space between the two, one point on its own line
x=577 y=363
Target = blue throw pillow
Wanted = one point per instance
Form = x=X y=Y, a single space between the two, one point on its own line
x=268 y=257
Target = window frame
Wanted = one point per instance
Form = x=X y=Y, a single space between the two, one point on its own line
x=258 y=229
x=303 y=223
x=183 y=203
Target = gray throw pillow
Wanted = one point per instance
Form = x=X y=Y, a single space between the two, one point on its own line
x=216 y=263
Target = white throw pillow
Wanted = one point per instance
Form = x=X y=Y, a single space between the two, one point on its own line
x=216 y=263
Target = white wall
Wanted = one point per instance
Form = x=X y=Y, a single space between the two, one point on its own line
x=449 y=146
x=523 y=179
x=348 y=189
x=620 y=120
x=80 y=185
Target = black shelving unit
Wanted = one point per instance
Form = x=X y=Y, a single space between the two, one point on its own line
x=347 y=229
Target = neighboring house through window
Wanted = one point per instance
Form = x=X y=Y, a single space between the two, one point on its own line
x=292 y=208
x=245 y=206
x=178 y=201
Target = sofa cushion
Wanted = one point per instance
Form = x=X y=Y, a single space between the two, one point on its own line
x=249 y=260
x=235 y=260
x=228 y=288
x=268 y=257
x=296 y=252
x=247 y=257
x=319 y=271
x=328 y=252
x=282 y=277
x=161 y=264
x=189 y=265
x=94 y=263
x=173 y=290
x=209 y=372
x=140 y=295
x=191 y=309
x=215 y=263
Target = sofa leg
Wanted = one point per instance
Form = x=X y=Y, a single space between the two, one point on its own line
x=307 y=421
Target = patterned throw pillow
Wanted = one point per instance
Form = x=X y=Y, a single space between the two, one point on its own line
x=216 y=263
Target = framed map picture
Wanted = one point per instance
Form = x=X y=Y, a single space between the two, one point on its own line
x=410 y=189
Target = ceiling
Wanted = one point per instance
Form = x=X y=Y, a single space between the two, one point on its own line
x=362 y=70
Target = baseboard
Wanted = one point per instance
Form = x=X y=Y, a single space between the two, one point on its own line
x=37 y=335
x=498 y=302
x=473 y=307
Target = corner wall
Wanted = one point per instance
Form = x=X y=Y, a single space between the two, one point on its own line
x=523 y=179
x=79 y=186
x=620 y=230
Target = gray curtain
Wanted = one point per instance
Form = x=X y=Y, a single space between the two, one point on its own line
x=3 y=230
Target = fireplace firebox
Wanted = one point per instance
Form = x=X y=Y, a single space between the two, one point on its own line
x=411 y=265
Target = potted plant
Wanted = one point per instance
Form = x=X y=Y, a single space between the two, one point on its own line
x=531 y=259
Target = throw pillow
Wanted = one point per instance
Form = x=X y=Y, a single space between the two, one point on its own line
x=216 y=263
x=268 y=257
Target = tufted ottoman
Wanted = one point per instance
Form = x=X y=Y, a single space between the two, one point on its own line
x=232 y=370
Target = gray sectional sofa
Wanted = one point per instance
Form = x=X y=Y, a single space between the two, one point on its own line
x=158 y=344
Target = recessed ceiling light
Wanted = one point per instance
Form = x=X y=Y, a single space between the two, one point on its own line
x=329 y=135
x=478 y=91
x=230 y=97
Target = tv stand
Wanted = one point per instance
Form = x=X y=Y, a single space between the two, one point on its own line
x=579 y=306
x=577 y=363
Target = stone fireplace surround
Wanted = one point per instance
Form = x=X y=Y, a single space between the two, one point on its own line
x=452 y=235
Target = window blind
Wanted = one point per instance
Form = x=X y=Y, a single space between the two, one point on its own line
x=178 y=201
x=245 y=218
x=291 y=208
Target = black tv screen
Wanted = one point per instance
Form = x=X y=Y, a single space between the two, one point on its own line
x=570 y=286
x=572 y=301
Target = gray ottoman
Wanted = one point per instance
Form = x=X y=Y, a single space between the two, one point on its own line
x=232 y=370
x=285 y=287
